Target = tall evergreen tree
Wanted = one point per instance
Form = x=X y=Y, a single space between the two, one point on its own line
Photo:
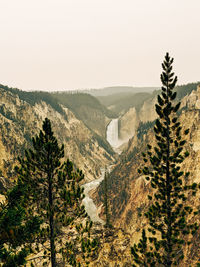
x=168 y=212
x=106 y=199
x=54 y=194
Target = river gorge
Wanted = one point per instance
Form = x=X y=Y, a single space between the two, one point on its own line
x=90 y=207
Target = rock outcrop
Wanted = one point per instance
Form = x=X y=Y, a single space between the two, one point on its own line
x=130 y=121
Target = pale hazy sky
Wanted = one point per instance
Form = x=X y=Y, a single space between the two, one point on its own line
x=73 y=44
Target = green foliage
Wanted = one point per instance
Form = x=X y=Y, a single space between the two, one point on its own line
x=143 y=128
x=122 y=102
x=141 y=255
x=88 y=246
x=17 y=228
x=75 y=100
x=53 y=193
x=168 y=212
x=35 y=97
x=183 y=90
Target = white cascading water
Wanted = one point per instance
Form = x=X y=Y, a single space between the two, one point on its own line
x=90 y=207
x=112 y=133
x=88 y=202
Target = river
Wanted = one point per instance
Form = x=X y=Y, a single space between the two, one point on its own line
x=90 y=207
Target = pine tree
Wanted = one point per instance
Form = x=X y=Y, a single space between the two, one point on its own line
x=54 y=194
x=106 y=199
x=168 y=212
x=140 y=249
x=17 y=229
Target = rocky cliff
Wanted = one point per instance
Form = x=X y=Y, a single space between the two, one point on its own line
x=20 y=120
x=130 y=121
x=142 y=110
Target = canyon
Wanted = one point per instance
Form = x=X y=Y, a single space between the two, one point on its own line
x=94 y=139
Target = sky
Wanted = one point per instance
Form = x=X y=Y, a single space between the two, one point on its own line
x=79 y=44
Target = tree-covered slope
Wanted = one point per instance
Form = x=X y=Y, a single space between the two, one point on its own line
x=120 y=103
x=88 y=109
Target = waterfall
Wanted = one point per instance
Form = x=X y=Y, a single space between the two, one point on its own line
x=90 y=207
x=112 y=133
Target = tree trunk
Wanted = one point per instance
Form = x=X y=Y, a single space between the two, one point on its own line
x=51 y=223
x=168 y=189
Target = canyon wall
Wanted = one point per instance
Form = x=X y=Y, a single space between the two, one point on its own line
x=130 y=121
x=20 y=121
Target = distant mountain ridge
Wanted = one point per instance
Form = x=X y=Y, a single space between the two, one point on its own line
x=118 y=89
